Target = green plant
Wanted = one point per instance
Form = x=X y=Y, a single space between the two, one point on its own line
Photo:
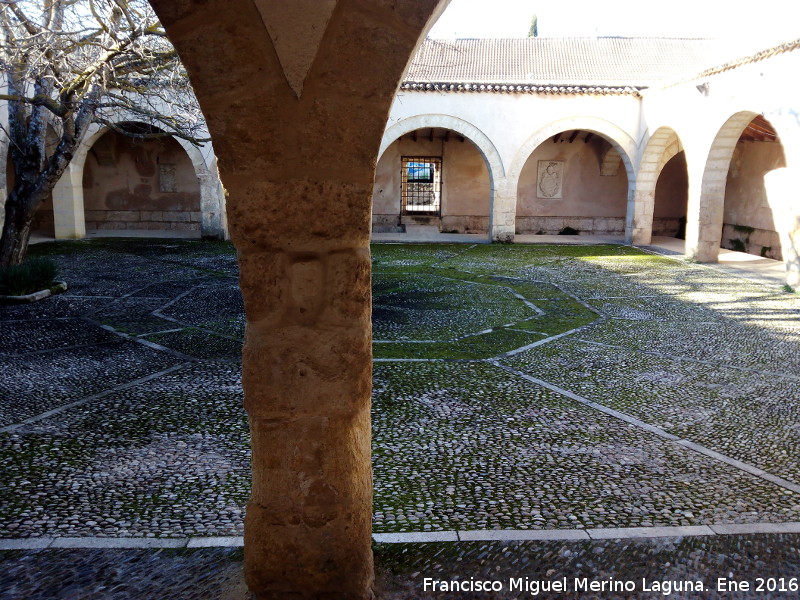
x=787 y=288
x=568 y=231
x=31 y=276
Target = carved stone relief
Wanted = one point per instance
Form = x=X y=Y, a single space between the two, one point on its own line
x=167 y=181
x=549 y=179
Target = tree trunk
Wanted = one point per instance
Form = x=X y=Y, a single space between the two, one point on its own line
x=33 y=183
x=16 y=230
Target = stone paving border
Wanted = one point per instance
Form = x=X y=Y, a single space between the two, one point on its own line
x=547 y=340
x=138 y=340
x=57 y=288
x=422 y=537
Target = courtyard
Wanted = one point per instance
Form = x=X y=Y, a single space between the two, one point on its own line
x=533 y=405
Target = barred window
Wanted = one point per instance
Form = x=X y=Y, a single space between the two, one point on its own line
x=421 y=185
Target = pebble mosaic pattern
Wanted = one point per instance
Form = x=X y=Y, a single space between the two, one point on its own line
x=437 y=308
x=435 y=312
x=35 y=383
x=513 y=455
x=458 y=444
x=174 y=461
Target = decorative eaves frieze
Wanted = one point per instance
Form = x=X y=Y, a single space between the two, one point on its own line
x=520 y=88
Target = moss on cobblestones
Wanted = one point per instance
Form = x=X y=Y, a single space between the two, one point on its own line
x=442 y=312
x=468 y=446
x=457 y=445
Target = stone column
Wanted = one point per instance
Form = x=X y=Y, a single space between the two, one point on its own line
x=791 y=256
x=296 y=96
x=639 y=219
x=704 y=222
x=502 y=221
x=68 y=215
x=305 y=277
x=706 y=200
x=781 y=185
x=212 y=205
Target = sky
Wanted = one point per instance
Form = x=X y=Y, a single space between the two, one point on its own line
x=770 y=20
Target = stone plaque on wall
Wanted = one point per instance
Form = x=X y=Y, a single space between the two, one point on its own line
x=167 y=182
x=548 y=183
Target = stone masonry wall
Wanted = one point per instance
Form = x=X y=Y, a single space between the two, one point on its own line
x=140 y=185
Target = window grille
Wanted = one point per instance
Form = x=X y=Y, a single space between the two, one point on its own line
x=421 y=185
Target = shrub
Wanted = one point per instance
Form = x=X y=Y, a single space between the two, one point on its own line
x=569 y=231
x=31 y=276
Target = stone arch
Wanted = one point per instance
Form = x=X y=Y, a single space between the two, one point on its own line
x=212 y=196
x=661 y=146
x=622 y=144
x=296 y=103
x=479 y=139
x=758 y=208
x=68 y=195
x=619 y=139
x=784 y=183
x=486 y=147
x=704 y=225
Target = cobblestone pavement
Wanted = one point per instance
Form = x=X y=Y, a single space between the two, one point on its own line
x=648 y=569
x=515 y=387
x=207 y=574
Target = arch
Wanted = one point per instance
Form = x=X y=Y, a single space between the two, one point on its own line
x=783 y=183
x=622 y=143
x=212 y=196
x=754 y=215
x=490 y=154
x=485 y=146
x=68 y=198
x=704 y=222
x=660 y=147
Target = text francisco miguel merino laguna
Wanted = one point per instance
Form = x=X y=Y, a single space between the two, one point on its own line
x=575 y=584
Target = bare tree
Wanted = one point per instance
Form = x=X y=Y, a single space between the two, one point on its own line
x=67 y=64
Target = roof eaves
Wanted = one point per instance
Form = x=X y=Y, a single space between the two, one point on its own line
x=520 y=88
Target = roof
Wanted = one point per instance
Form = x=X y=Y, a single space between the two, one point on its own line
x=603 y=64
